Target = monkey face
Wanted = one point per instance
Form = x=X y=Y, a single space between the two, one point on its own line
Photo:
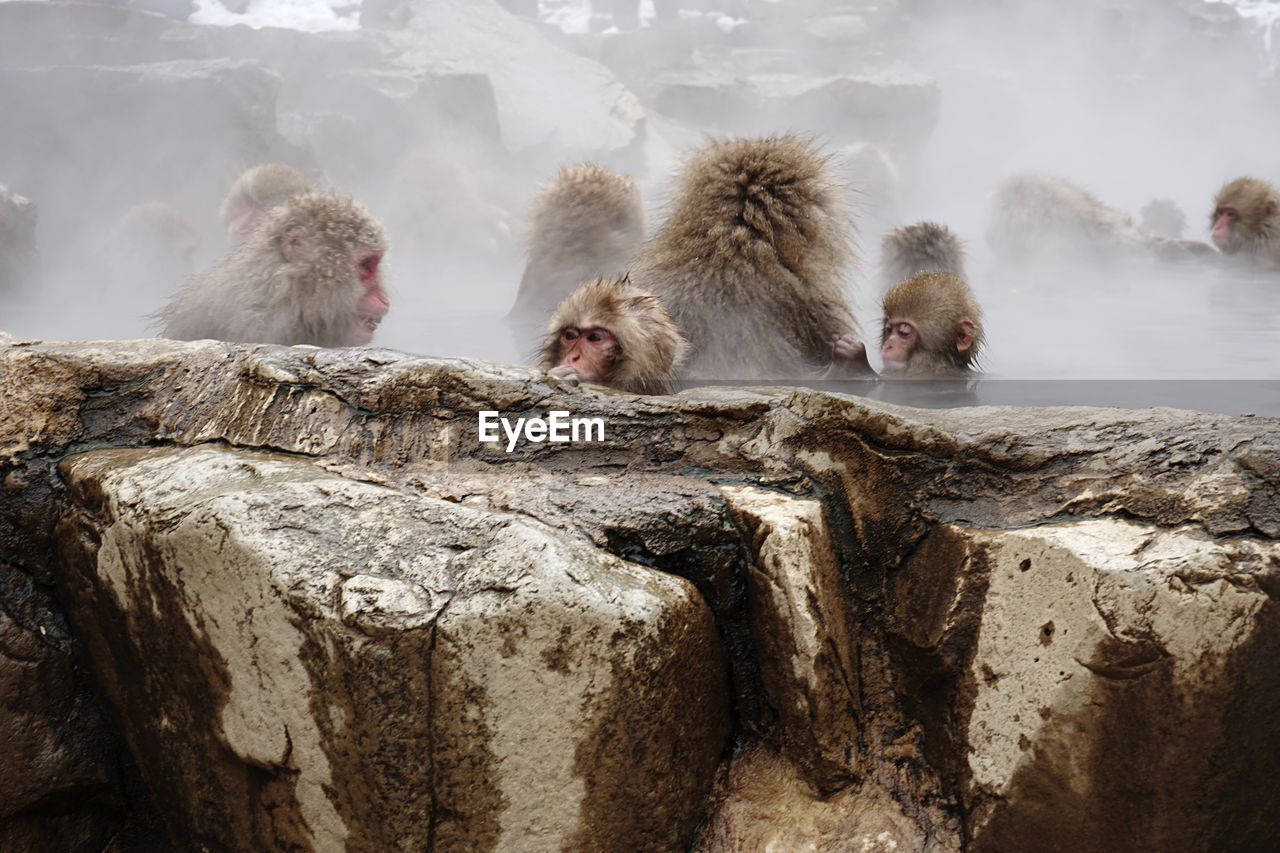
x=373 y=304
x=1225 y=219
x=897 y=341
x=591 y=352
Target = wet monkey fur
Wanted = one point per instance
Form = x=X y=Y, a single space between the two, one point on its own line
x=753 y=258
x=931 y=328
x=586 y=223
x=1246 y=221
x=309 y=274
x=255 y=193
x=920 y=247
x=609 y=332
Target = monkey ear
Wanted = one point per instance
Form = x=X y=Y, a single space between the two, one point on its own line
x=964 y=337
x=291 y=243
x=1271 y=208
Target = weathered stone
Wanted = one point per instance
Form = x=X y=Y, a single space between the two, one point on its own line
x=304 y=660
x=1097 y=650
x=863 y=564
x=802 y=626
x=591 y=111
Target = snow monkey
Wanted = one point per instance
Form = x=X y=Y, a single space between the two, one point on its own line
x=752 y=262
x=309 y=274
x=588 y=222
x=609 y=332
x=917 y=248
x=256 y=192
x=932 y=328
x=1042 y=215
x=1246 y=221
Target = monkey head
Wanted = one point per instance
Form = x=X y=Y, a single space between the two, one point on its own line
x=931 y=328
x=608 y=332
x=1244 y=215
x=256 y=192
x=332 y=251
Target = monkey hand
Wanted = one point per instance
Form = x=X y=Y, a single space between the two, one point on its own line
x=849 y=359
x=567 y=373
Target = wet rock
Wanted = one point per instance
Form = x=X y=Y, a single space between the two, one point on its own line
x=375 y=670
x=1099 y=647
x=317 y=593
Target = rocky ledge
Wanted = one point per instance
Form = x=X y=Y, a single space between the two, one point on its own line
x=267 y=598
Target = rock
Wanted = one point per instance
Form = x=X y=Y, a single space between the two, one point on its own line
x=896 y=112
x=318 y=608
x=58 y=767
x=376 y=670
x=1104 y=647
x=591 y=111
x=802 y=623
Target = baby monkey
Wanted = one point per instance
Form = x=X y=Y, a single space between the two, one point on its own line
x=932 y=329
x=609 y=332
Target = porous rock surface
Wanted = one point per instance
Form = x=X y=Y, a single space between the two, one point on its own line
x=274 y=598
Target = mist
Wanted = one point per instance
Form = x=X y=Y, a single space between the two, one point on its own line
x=444 y=118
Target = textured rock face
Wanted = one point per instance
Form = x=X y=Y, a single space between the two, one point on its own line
x=318 y=612
x=318 y=662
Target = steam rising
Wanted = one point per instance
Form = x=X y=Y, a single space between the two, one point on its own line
x=1131 y=100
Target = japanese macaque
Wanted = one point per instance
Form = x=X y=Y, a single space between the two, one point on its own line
x=17 y=238
x=609 y=332
x=752 y=262
x=255 y=193
x=588 y=222
x=932 y=328
x=1161 y=217
x=152 y=246
x=1050 y=218
x=1246 y=221
x=922 y=247
x=309 y=274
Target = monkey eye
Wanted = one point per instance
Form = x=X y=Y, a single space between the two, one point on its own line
x=368 y=266
x=570 y=334
x=904 y=330
x=594 y=336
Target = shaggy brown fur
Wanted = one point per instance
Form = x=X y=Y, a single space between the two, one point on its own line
x=587 y=222
x=1256 y=234
x=262 y=188
x=1161 y=217
x=917 y=248
x=256 y=294
x=936 y=304
x=650 y=345
x=753 y=258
